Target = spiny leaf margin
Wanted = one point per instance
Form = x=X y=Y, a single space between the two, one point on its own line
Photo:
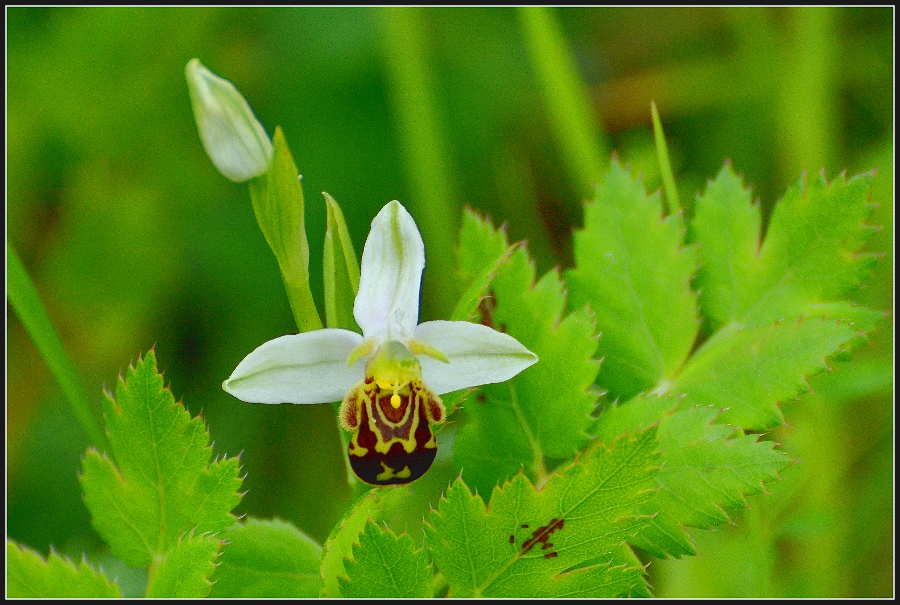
x=545 y=410
x=162 y=483
x=548 y=542
x=29 y=575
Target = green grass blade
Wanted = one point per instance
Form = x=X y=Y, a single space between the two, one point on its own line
x=583 y=144
x=27 y=304
x=423 y=148
x=665 y=166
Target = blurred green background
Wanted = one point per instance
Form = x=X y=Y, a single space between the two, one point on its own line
x=135 y=241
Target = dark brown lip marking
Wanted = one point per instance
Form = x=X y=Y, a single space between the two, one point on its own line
x=542 y=535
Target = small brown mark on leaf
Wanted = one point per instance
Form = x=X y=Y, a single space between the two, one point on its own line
x=542 y=535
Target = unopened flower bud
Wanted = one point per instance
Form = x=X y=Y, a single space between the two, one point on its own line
x=233 y=138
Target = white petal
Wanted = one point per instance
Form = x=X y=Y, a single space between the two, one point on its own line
x=298 y=368
x=387 y=305
x=477 y=354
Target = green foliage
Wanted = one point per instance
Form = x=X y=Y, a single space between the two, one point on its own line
x=759 y=297
x=750 y=370
x=809 y=255
x=160 y=482
x=708 y=468
x=30 y=576
x=278 y=204
x=386 y=566
x=482 y=250
x=545 y=410
x=770 y=309
x=634 y=273
x=131 y=236
x=339 y=545
x=758 y=300
x=267 y=559
x=183 y=571
x=27 y=304
x=340 y=270
x=554 y=542
x=672 y=455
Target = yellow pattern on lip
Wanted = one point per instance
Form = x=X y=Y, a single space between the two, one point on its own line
x=389 y=414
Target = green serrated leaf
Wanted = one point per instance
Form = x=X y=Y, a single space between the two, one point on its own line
x=385 y=565
x=278 y=205
x=727 y=224
x=549 y=543
x=340 y=269
x=482 y=250
x=633 y=272
x=750 y=370
x=809 y=256
x=184 y=571
x=30 y=576
x=160 y=482
x=623 y=556
x=339 y=545
x=862 y=319
x=633 y=415
x=708 y=468
x=545 y=410
x=267 y=559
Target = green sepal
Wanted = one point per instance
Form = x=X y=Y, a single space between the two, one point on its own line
x=340 y=273
x=267 y=559
x=30 y=576
x=278 y=204
x=385 y=565
x=340 y=269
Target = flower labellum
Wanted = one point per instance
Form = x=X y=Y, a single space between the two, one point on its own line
x=233 y=138
x=391 y=377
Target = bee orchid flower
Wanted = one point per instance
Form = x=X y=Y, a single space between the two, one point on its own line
x=390 y=378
